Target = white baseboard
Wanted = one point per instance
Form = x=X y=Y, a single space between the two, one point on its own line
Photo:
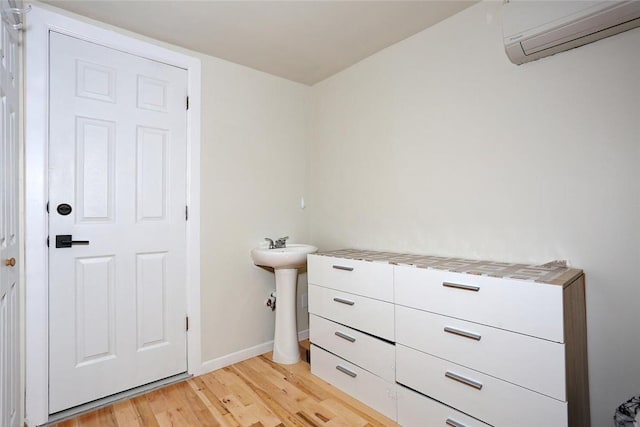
x=238 y=356
x=303 y=335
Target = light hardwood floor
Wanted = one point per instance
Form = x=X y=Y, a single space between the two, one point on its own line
x=256 y=393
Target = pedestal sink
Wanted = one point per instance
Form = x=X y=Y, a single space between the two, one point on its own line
x=285 y=263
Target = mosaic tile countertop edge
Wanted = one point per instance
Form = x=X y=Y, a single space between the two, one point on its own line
x=550 y=273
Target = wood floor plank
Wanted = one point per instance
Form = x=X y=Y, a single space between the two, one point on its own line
x=346 y=413
x=144 y=412
x=285 y=411
x=277 y=401
x=256 y=373
x=156 y=402
x=314 y=411
x=254 y=393
x=297 y=374
x=279 y=379
x=175 y=412
x=242 y=389
x=125 y=414
x=211 y=402
x=178 y=409
x=197 y=407
x=234 y=385
x=89 y=420
x=327 y=391
x=220 y=393
x=200 y=386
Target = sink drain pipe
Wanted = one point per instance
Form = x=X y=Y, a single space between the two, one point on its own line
x=271 y=301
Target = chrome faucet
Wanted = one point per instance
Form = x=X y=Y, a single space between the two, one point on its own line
x=279 y=243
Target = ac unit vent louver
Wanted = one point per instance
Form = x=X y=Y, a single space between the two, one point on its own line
x=534 y=29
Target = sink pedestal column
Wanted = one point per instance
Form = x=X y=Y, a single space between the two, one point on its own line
x=285 y=341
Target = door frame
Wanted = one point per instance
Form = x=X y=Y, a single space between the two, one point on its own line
x=41 y=21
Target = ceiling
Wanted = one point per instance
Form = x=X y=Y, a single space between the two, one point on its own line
x=304 y=41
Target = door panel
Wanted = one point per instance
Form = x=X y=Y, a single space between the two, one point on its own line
x=95 y=81
x=94 y=310
x=10 y=286
x=151 y=174
x=95 y=169
x=151 y=300
x=117 y=155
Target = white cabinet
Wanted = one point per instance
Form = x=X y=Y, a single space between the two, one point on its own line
x=370 y=279
x=488 y=344
x=352 y=379
x=529 y=308
x=502 y=354
x=374 y=355
x=366 y=314
x=495 y=401
x=417 y=410
x=493 y=347
x=351 y=328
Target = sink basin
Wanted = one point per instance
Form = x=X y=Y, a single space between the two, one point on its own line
x=285 y=263
x=293 y=256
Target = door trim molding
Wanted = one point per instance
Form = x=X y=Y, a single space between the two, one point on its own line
x=42 y=20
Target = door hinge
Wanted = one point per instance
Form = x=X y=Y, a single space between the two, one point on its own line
x=186 y=213
x=186 y=323
x=47 y=241
x=47 y=207
x=187 y=102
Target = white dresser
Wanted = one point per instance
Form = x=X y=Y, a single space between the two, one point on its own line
x=351 y=327
x=432 y=341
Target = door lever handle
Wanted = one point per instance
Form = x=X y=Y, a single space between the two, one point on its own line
x=66 y=241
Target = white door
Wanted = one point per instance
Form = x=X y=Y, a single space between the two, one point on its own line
x=117 y=187
x=10 y=414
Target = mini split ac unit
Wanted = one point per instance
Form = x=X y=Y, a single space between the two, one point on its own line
x=534 y=29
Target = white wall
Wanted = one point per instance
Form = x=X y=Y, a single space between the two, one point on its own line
x=439 y=145
x=255 y=132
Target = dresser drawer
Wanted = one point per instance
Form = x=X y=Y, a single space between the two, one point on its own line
x=494 y=401
x=416 y=410
x=374 y=355
x=357 y=382
x=365 y=314
x=526 y=307
x=530 y=362
x=370 y=279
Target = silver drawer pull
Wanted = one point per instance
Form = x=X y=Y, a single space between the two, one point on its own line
x=459 y=286
x=340 y=267
x=346 y=371
x=343 y=301
x=462 y=333
x=345 y=336
x=454 y=423
x=471 y=383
